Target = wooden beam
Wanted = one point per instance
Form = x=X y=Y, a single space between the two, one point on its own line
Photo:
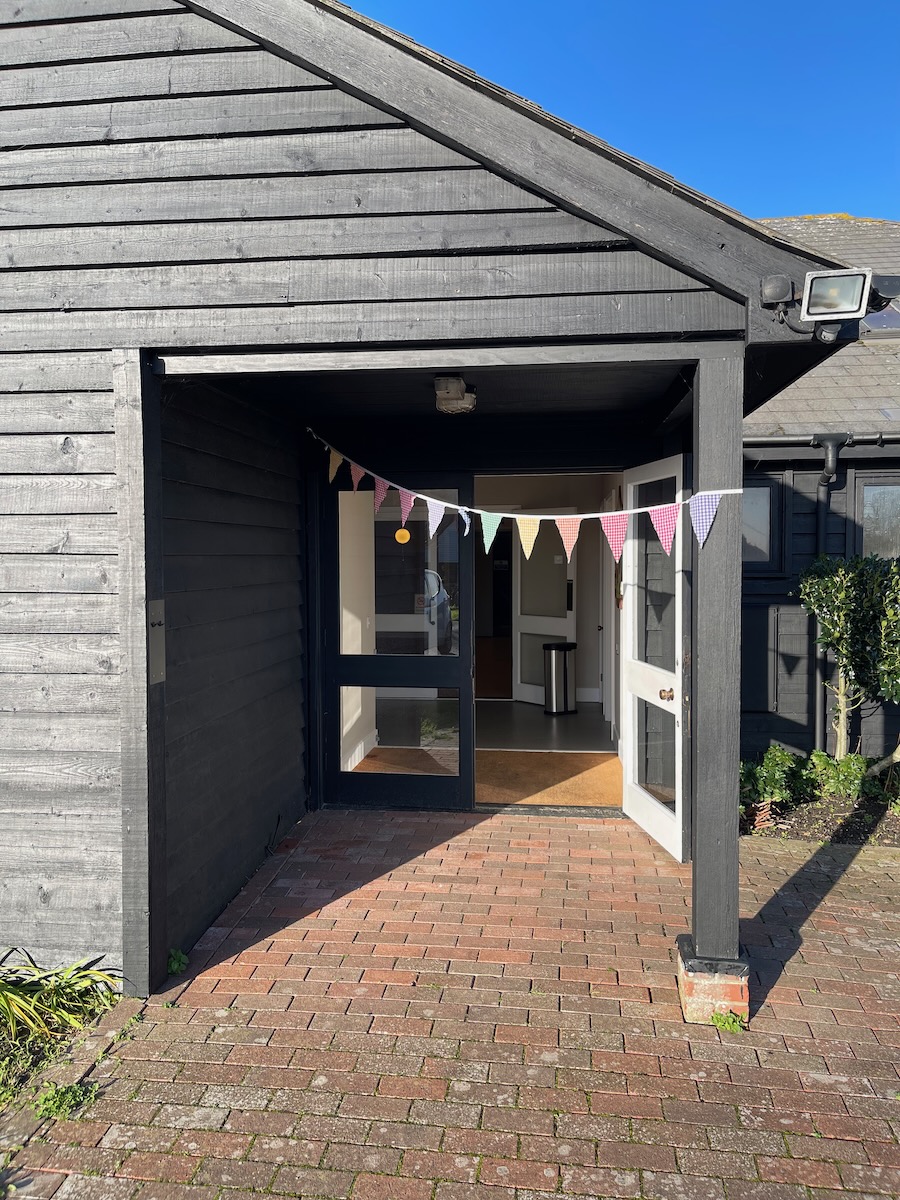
x=715 y=665
x=579 y=173
x=290 y=362
x=142 y=709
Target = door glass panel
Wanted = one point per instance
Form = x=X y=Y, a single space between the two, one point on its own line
x=532 y=656
x=655 y=749
x=881 y=520
x=400 y=731
x=756 y=540
x=655 y=583
x=544 y=575
x=397 y=597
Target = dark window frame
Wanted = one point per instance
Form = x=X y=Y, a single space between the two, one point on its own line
x=864 y=479
x=775 y=566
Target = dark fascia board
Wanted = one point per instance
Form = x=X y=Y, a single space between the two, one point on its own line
x=522 y=143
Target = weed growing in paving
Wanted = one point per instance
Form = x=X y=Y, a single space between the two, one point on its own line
x=62 y=1100
x=178 y=962
x=728 y=1022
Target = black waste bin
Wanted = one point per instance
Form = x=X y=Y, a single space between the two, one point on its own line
x=559 y=678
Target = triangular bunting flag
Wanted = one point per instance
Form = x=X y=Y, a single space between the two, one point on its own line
x=665 y=522
x=529 y=528
x=615 y=526
x=356 y=474
x=381 y=490
x=407 y=500
x=490 y=523
x=467 y=521
x=569 y=528
x=704 y=507
x=334 y=461
x=435 y=514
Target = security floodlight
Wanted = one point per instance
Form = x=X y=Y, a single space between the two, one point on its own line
x=835 y=295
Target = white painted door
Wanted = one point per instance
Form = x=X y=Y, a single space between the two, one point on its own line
x=655 y=618
x=543 y=606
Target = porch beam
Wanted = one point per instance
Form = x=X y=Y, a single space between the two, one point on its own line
x=303 y=362
x=715 y=704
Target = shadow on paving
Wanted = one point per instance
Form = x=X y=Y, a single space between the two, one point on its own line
x=774 y=936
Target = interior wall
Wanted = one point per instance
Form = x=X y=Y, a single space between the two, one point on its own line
x=583 y=493
x=234 y=653
x=357 y=583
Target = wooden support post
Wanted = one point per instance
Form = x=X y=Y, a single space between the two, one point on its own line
x=137 y=430
x=710 y=963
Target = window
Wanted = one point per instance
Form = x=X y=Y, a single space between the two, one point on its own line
x=880 y=523
x=757 y=530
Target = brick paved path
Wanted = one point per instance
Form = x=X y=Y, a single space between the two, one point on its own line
x=415 y=1007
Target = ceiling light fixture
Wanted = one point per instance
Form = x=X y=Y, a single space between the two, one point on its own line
x=451 y=396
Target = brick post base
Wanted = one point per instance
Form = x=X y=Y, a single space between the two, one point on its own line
x=707 y=986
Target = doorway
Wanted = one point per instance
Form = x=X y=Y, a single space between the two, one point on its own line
x=523 y=755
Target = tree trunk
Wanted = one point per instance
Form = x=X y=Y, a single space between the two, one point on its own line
x=842 y=718
x=884 y=763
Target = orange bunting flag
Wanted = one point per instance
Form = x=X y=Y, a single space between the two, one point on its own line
x=407 y=500
x=334 y=461
x=529 y=528
x=569 y=528
x=356 y=474
x=665 y=522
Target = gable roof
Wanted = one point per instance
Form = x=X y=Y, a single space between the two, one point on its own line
x=518 y=140
x=857 y=390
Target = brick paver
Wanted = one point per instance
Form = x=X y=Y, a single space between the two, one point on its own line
x=458 y=1007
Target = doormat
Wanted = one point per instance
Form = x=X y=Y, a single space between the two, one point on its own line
x=409 y=760
x=558 y=778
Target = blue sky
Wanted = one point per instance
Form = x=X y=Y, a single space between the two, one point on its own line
x=775 y=109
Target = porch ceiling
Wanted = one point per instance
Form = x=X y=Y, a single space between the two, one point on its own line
x=613 y=388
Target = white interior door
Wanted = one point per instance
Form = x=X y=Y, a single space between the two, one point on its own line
x=543 y=606
x=653 y=744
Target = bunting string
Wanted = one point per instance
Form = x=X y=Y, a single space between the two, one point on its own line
x=664 y=517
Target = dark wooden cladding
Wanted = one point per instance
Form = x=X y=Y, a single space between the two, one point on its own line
x=234 y=671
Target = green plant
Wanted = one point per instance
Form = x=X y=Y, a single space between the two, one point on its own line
x=856 y=603
x=63 y=1100
x=178 y=962
x=728 y=1022
x=44 y=1003
x=831 y=778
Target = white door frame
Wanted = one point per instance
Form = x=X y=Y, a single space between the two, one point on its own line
x=551 y=627
x=642 y=682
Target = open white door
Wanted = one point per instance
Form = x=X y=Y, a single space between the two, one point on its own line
x=543 y=606
x=654 y=621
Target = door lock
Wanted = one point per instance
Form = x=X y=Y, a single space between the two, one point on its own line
x=667 y=693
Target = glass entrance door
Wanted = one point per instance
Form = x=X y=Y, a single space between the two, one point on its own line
x=399 y=703
x=655 y=618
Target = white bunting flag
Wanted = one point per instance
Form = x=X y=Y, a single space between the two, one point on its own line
x=665 y=521
x=704 y=507
x=467 y=521
x=356 y=474
x=435 y=515
x=381 y=490
x=407 y=500
x=334 y=461
x=569 y=528
x=490 y=523
x=615 y=526
x=529 y=528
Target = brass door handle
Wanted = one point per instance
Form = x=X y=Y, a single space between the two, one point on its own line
x=667 y=694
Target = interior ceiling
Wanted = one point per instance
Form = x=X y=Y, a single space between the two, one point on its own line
x=624 y=388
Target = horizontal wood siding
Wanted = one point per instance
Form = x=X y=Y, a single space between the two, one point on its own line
x=778 y=641
x=234 y=670
x=167 y=182
x=60 y=819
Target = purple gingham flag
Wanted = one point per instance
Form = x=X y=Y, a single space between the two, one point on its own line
x=703 y=508
x=435 y=515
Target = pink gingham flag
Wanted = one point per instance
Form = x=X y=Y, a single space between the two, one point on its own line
x=704 y=507
x=381 y=490
x=435 y=515
x=665 y=522
x=569 y=528
x=407 y=500
x=615 y=526
x=356 y=474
